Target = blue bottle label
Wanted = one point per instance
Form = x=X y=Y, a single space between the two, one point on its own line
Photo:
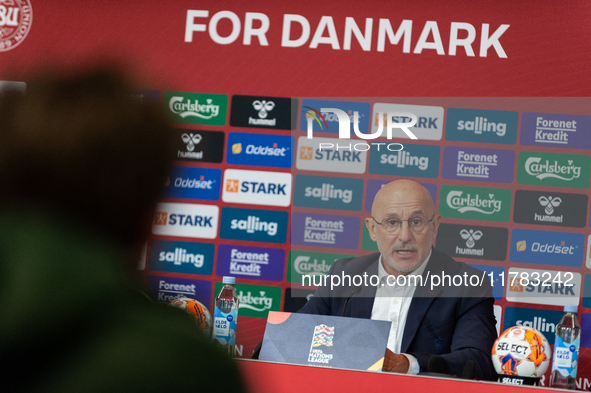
x=224 y=326
x=566 y=357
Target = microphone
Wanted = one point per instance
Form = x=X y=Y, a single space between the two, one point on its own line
x=438 y=365
x=469 y=371
x=354 y=292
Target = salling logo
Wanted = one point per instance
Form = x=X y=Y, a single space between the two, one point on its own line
x=482 y=124
x=181 y=256
x=254 y=224
x=322 y=231
x=549 y=203
x=16 y=17
x=475 y=204
x=264 y=107
x=327 y=192
x=260 y=150
x=247 y=263
x=471 y=236
x=259 y=303
x=540 y=324
x=302 y=265
x=546 y=169
x=404 y=158
x=186 y=109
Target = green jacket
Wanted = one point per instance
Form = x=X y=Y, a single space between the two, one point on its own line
x=69 y=323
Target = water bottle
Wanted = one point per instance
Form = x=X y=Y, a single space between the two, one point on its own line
x=225 y=316
x=566 y=350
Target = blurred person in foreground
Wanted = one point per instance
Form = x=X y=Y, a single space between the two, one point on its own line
x=81 y=170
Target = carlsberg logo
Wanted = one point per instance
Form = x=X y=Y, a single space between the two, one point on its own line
x=205 y=110
x=470 y=203
x=253 y=302
x=302 y=265
x=534 y=166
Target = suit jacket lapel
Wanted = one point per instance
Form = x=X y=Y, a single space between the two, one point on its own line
x=360 y=305
x=422 y=300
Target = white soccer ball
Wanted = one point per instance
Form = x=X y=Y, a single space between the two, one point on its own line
x=521 y=351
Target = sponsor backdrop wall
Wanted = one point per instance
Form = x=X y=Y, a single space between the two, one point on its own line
x=250 y=196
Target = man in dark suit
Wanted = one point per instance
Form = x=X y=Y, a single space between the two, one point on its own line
x=453 y=321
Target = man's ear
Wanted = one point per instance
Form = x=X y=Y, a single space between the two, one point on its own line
x=436 y=222
x=370 y=224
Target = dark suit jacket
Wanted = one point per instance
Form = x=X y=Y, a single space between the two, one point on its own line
x=455 y=322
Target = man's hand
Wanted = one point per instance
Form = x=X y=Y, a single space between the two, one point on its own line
x=395 y=363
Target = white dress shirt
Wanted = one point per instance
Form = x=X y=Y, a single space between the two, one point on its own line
x=392 y=304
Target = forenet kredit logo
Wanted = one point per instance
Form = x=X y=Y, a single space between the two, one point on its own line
x=16 y=17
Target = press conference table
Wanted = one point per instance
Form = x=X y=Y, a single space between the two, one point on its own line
x=263 y=377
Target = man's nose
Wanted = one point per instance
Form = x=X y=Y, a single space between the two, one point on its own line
x=404 y=233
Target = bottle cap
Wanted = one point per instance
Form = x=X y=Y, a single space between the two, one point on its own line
x=570 y=308
x=229 y=280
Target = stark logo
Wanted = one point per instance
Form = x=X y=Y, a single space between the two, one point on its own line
x=345 y=123
x=306 y=153
x=264 y=107
x=191 y=140
x=160 y=218
x=232 y=185
x=515 y=285
x=16 y=17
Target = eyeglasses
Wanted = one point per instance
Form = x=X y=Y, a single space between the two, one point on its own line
x=417 y=224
